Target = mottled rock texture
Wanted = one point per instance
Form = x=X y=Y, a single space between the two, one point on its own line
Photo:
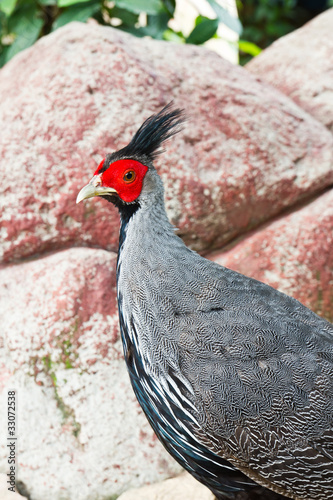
x=293 y=254
x=246 y=152
x=301 y=66
x=81 y=434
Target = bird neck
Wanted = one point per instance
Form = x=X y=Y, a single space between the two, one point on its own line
x=145 y=228
x=143 y=254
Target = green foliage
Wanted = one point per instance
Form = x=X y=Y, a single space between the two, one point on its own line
x=150 y=7
x=76 y=12
x=265 y=21
x=204 y=30
x=249 y=48
x=22 y=27
x=225 y=17
x=67 y=3
x=7 y=6
x=22 y=22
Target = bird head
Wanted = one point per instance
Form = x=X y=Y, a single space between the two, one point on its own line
x=125 y=176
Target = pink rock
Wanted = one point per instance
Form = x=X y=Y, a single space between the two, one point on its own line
x=246 y=152
x=81 y=433
x=50 y=302
x=301 y=65
x=293 y=254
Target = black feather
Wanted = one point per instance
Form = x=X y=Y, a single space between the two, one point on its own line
x=153 y=132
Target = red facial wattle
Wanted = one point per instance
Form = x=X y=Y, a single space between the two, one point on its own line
x=99 y=168
x=125 y=176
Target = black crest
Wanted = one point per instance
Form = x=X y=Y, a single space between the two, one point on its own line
x=153 y=132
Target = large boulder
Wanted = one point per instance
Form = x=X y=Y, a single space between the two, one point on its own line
x=293 y=254
x=246 y=152
x=301 y=66
x=81 y=433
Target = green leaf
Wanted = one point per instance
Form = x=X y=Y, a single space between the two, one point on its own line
x=171 y=36
x=26 y=26
x=156 y=25
x=199 y=19
x=249 y=48
x=47 y=2
x=3 y=56
x=79 y=12
x=139 y=32
x=128 y=18
x=67 y=3
x=203 y=31
x=226 y=18
x=152 y=7
x=7 y=6
x=170 y=6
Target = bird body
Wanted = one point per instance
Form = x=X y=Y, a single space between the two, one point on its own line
x=234 y=377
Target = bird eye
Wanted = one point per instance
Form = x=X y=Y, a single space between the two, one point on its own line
x=129 y=176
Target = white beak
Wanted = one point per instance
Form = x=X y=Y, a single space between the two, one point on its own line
x=94 y=188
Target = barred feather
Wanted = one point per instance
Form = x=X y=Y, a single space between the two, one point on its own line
x=235 y=377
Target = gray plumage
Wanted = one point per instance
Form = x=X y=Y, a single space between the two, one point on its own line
x=255 y=364
x=223 y=366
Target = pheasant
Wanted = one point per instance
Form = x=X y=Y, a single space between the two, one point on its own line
x=235 y=377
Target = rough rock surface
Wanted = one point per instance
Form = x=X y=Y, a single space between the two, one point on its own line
x=247 y=151
x=183 y=487
x=293 y=254
x=81 y=434
x=301 y=66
